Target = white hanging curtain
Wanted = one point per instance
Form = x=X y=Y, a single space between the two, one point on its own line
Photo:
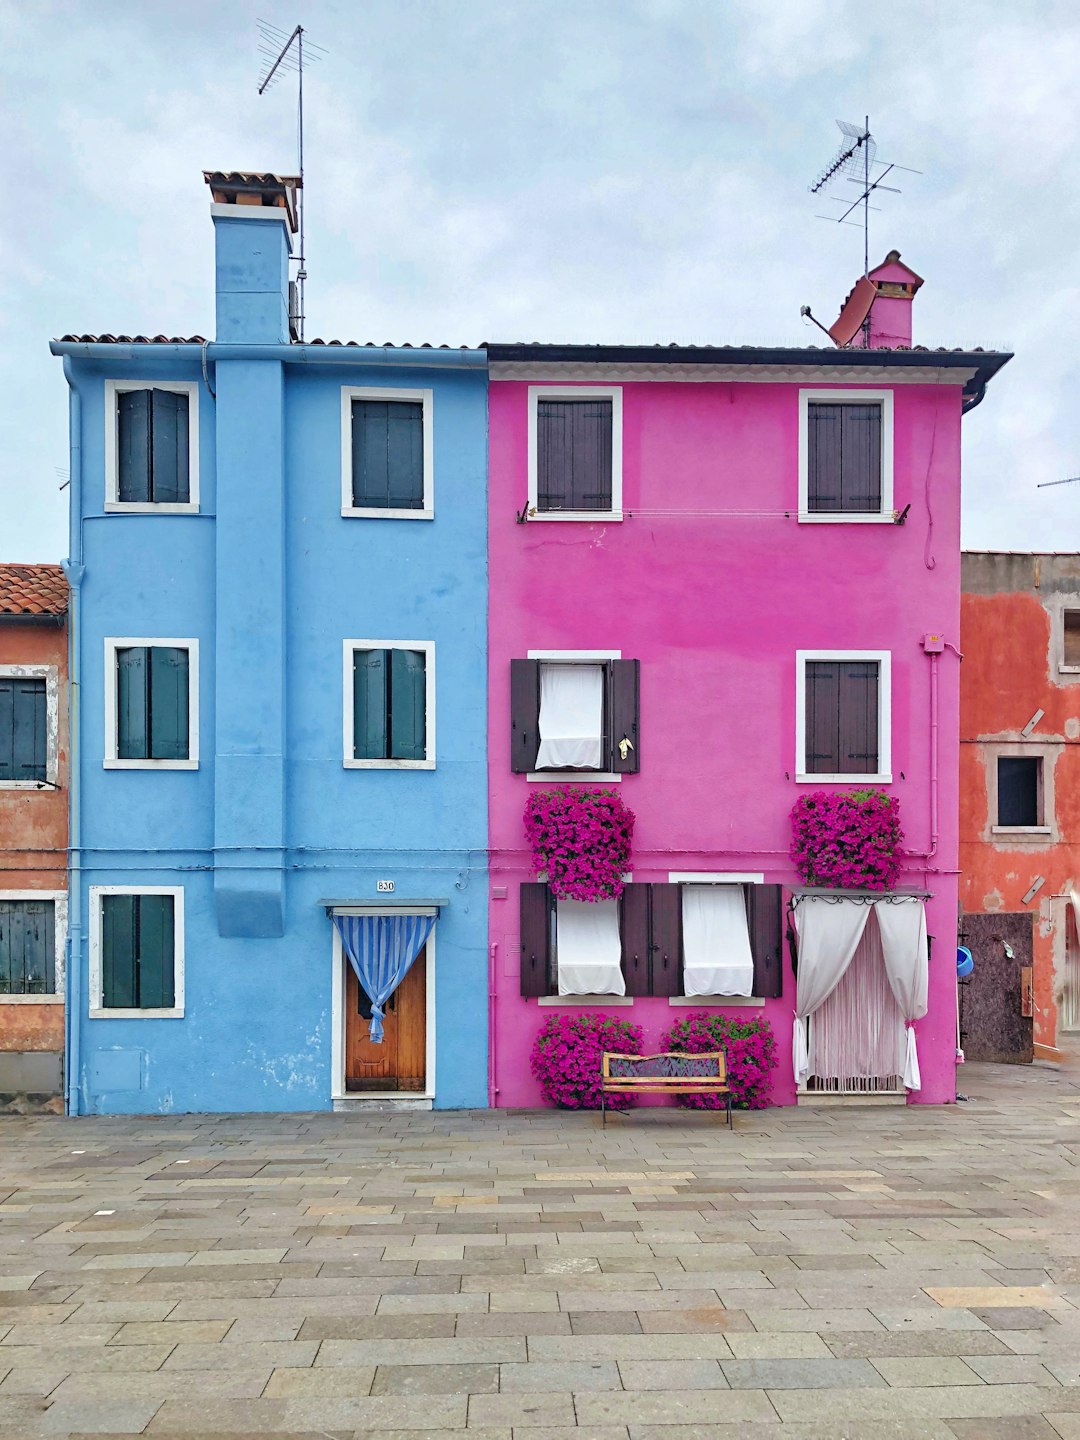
x=857 y=1034
x=588 y=948
x=571 y=717
x=903 y=943
x=716 y=941
x=829 y=931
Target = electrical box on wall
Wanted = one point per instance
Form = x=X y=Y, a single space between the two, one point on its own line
x=933 y=644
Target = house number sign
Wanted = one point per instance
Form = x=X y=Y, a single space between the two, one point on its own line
x=384 y=887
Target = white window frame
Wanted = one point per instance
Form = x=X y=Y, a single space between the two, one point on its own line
x=579 y=392
x=51 y=675
x=884 y=516
x=113 y=504
x=715 y=877
x=884 y=772
x=574 y=777
x=348 y=715
x=112 y=761
x=349 y=393
x=59 y=900
x=98 y=1010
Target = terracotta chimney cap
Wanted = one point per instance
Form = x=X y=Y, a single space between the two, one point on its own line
x=250 y=187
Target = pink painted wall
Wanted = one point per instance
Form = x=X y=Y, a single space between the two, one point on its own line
x=715 y=606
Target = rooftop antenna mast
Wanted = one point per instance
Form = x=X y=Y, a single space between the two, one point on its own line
x=856 y=162
x=283 y=54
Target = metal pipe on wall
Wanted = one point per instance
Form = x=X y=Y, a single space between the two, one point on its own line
x=73 y=569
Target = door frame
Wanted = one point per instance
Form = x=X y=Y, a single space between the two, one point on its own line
x=337 y=1010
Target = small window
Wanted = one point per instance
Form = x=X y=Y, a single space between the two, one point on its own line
x=27 y=947
x=390 y=705
x=138 y=951
x=386 y=453
x=573 y=449
x=151 y=447
x=24 y=739
x=574 y=715
x=1070 y=648
x=1020 y=791
x=844 y=724
x=844 y=457
x=152 y=699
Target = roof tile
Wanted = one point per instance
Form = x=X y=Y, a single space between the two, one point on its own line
x=33 y=590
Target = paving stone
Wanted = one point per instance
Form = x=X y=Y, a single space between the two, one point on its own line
x=539 y=1322
x=602 y=1322
x=269 y=1416
x=433 y=1379
x=320 y=1384
x=1018 y=1317
x=672 y=1375
x=795 y=1345
x=926 y=1370
x=902 y=1343
x=673 y=1407
x=799 y=1374
x=482 y=1350
x=1011 y=1370
x=693 y=1322
x=162 y=1385
x=629 y=1347
x=170 y=1332
x=273 y=1354
x=524 y=1410
x=31 y=1380
x=1015 y=1427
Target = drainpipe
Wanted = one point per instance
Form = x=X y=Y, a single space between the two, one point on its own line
x=933 y=757
x=493 y=1086
x=73 y=568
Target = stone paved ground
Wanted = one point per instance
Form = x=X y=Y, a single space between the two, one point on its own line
x=901 y=1274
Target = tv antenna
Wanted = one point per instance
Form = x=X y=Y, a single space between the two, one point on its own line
x=285 y=54
x=856 y=162
x=1045 y=484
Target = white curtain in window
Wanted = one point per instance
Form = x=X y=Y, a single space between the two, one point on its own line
x=571 y=717
x=716 y=941
x=588 y=947
x=858 y=1032
x=829 y=932
x=903 y=943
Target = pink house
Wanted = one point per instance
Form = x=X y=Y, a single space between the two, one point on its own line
x=721 y=578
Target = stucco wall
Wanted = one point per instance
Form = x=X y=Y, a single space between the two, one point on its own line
x=713 y=586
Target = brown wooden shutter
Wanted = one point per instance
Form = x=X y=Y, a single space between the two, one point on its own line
x=766 y=917
x=822 y=717
x=535 y=940
x=861 y=458
x=858 y=717
x=524 y=715
x=666 y=939
x=634 y=930
x=624 y=709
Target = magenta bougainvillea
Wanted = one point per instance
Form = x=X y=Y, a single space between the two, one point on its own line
x=566 y=1058
x=749 y=1048
x=847 y=841
x=581 y=837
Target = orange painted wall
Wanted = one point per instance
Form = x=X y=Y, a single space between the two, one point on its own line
x=34 y=831
x=1011 y=639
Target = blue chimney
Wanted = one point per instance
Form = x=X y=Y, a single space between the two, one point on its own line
x=254 y=226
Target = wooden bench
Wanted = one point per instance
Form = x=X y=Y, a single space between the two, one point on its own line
x=668 y=1073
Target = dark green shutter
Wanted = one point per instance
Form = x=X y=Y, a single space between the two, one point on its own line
x=155 y=956
x=408 y=695
x=169 y=444
x=118 y=951
x=27 y=947
x=24 y=747
x=133 y=703
x=133 y=430
x=387 y=455
x=370 y=696
x=169 y=720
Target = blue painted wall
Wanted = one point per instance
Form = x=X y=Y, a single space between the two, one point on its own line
x=270 y=578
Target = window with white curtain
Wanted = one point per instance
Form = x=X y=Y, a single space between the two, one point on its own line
x=571 y=717
x=588 y=947
x=717 y=959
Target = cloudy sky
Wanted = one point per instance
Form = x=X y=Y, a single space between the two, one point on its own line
x=578 y=170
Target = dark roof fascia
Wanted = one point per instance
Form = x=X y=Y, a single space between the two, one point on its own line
x=12 y=617
x=986 y=363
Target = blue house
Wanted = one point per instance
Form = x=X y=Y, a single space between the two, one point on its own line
x=278 y=560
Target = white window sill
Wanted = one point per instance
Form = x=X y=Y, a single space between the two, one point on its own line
x=144 y=507
x=1069 y=669
x=843 y=779
x=577 y=517
x=380 y=1097
x=842 y=517
x=31 y=999
x=115 y=764
x=1019 y=832
x=351 y=512
x=563 y=777
x=749 y=1001
x=388 y=764
x=97 y=1013
x=564 y=1000
x=28 y=785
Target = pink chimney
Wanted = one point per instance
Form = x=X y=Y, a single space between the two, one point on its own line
x=877 y=312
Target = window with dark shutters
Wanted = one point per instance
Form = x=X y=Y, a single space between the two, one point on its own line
x=388 y=455
x=764 y=904
x=138 y=952
x=844 y=457
x=842 y=699
x=622 y=707
x=24 y=737
x=27 y=947
x=573 y=455
x=389 y=704
x=152 y=703
x=152 y=447
x=1019 y=789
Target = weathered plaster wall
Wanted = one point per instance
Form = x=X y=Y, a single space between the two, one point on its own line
x=1011 y=636
x=713 y=586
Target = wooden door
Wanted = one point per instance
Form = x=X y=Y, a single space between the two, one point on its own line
x=993 y=1025
x=400 y=1062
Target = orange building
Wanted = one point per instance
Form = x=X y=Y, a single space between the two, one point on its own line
x=33 y=834
x=1020 y=801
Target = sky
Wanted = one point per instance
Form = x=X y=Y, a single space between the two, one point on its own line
x=559 y=170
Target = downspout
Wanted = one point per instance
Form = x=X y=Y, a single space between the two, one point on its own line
x=493 y=1078
x=933 y=757
x=73 y=568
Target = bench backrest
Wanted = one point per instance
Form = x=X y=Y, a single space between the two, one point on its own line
x=668 y=1065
